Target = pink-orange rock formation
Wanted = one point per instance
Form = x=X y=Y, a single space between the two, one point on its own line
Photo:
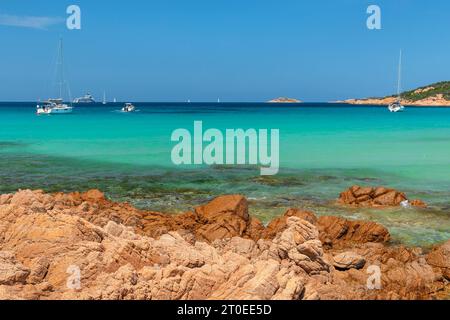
x=376 y=197
x=216 y=252
x=440 y=258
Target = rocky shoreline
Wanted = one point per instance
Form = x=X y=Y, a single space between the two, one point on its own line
x=217 y=251
x=435 y=101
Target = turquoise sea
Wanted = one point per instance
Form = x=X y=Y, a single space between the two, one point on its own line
x=324 y=149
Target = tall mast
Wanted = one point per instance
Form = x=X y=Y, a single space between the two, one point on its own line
x=60 y=65
x=399 y=76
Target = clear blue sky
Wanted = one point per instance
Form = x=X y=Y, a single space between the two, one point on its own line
x=238 y=50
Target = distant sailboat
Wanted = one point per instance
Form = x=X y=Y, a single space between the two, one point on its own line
x=115 y=100
x=397 y=105
x=57 y=105
x=218 y=100
x=104 y=97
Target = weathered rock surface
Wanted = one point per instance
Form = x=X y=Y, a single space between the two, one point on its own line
x=376 y=197
x=403 y=274
x=11 y=271
x=339 y=232
x=279 y=224
x=333 y=231
x=439 y=257
x=224 y=217
x=42 y=249
x=216 y=252
x=349 y=260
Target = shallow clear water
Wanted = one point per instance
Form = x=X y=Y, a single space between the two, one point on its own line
x=324 y=149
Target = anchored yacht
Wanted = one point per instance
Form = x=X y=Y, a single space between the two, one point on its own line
x=397 y=105
x=54 y=106
x=87 y=98
x=57 y=105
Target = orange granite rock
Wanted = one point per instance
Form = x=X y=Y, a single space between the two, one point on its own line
x=357 y=196
x=216 y=252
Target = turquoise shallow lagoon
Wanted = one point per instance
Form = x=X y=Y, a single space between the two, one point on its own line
x=324 y=149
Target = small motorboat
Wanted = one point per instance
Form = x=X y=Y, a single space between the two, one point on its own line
x=129 y=107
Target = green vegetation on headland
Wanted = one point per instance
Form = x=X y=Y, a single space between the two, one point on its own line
x=436 y=94
x=431 y=90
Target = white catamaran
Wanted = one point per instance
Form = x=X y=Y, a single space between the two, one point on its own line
x=397 y=105
x=52 y=105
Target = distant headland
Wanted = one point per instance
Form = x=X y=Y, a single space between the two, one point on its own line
x=284 y=100
x=436 y=94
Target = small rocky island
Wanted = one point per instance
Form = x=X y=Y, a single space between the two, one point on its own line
x=436 y=94
x=285 y=100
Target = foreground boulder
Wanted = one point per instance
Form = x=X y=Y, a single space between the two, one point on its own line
x=333 y=231
x=11 y=271
x=439 y=257
x=376 y=197
x=83 y=246
x=226 y=217
x=349 y=260
x=280 y=223
x=43 y=253
x=223 y=217
x=340 y=232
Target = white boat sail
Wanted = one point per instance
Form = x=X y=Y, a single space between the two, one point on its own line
x=104 y=98
x=397 y=105
x=57 y=105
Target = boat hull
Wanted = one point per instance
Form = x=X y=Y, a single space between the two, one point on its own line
x=395 y=107
x=55 y=111
x=61 y=110
x=84 y=101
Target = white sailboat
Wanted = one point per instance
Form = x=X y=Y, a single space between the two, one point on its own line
x=104 y=98
x=397 y=105
x=52 y=105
